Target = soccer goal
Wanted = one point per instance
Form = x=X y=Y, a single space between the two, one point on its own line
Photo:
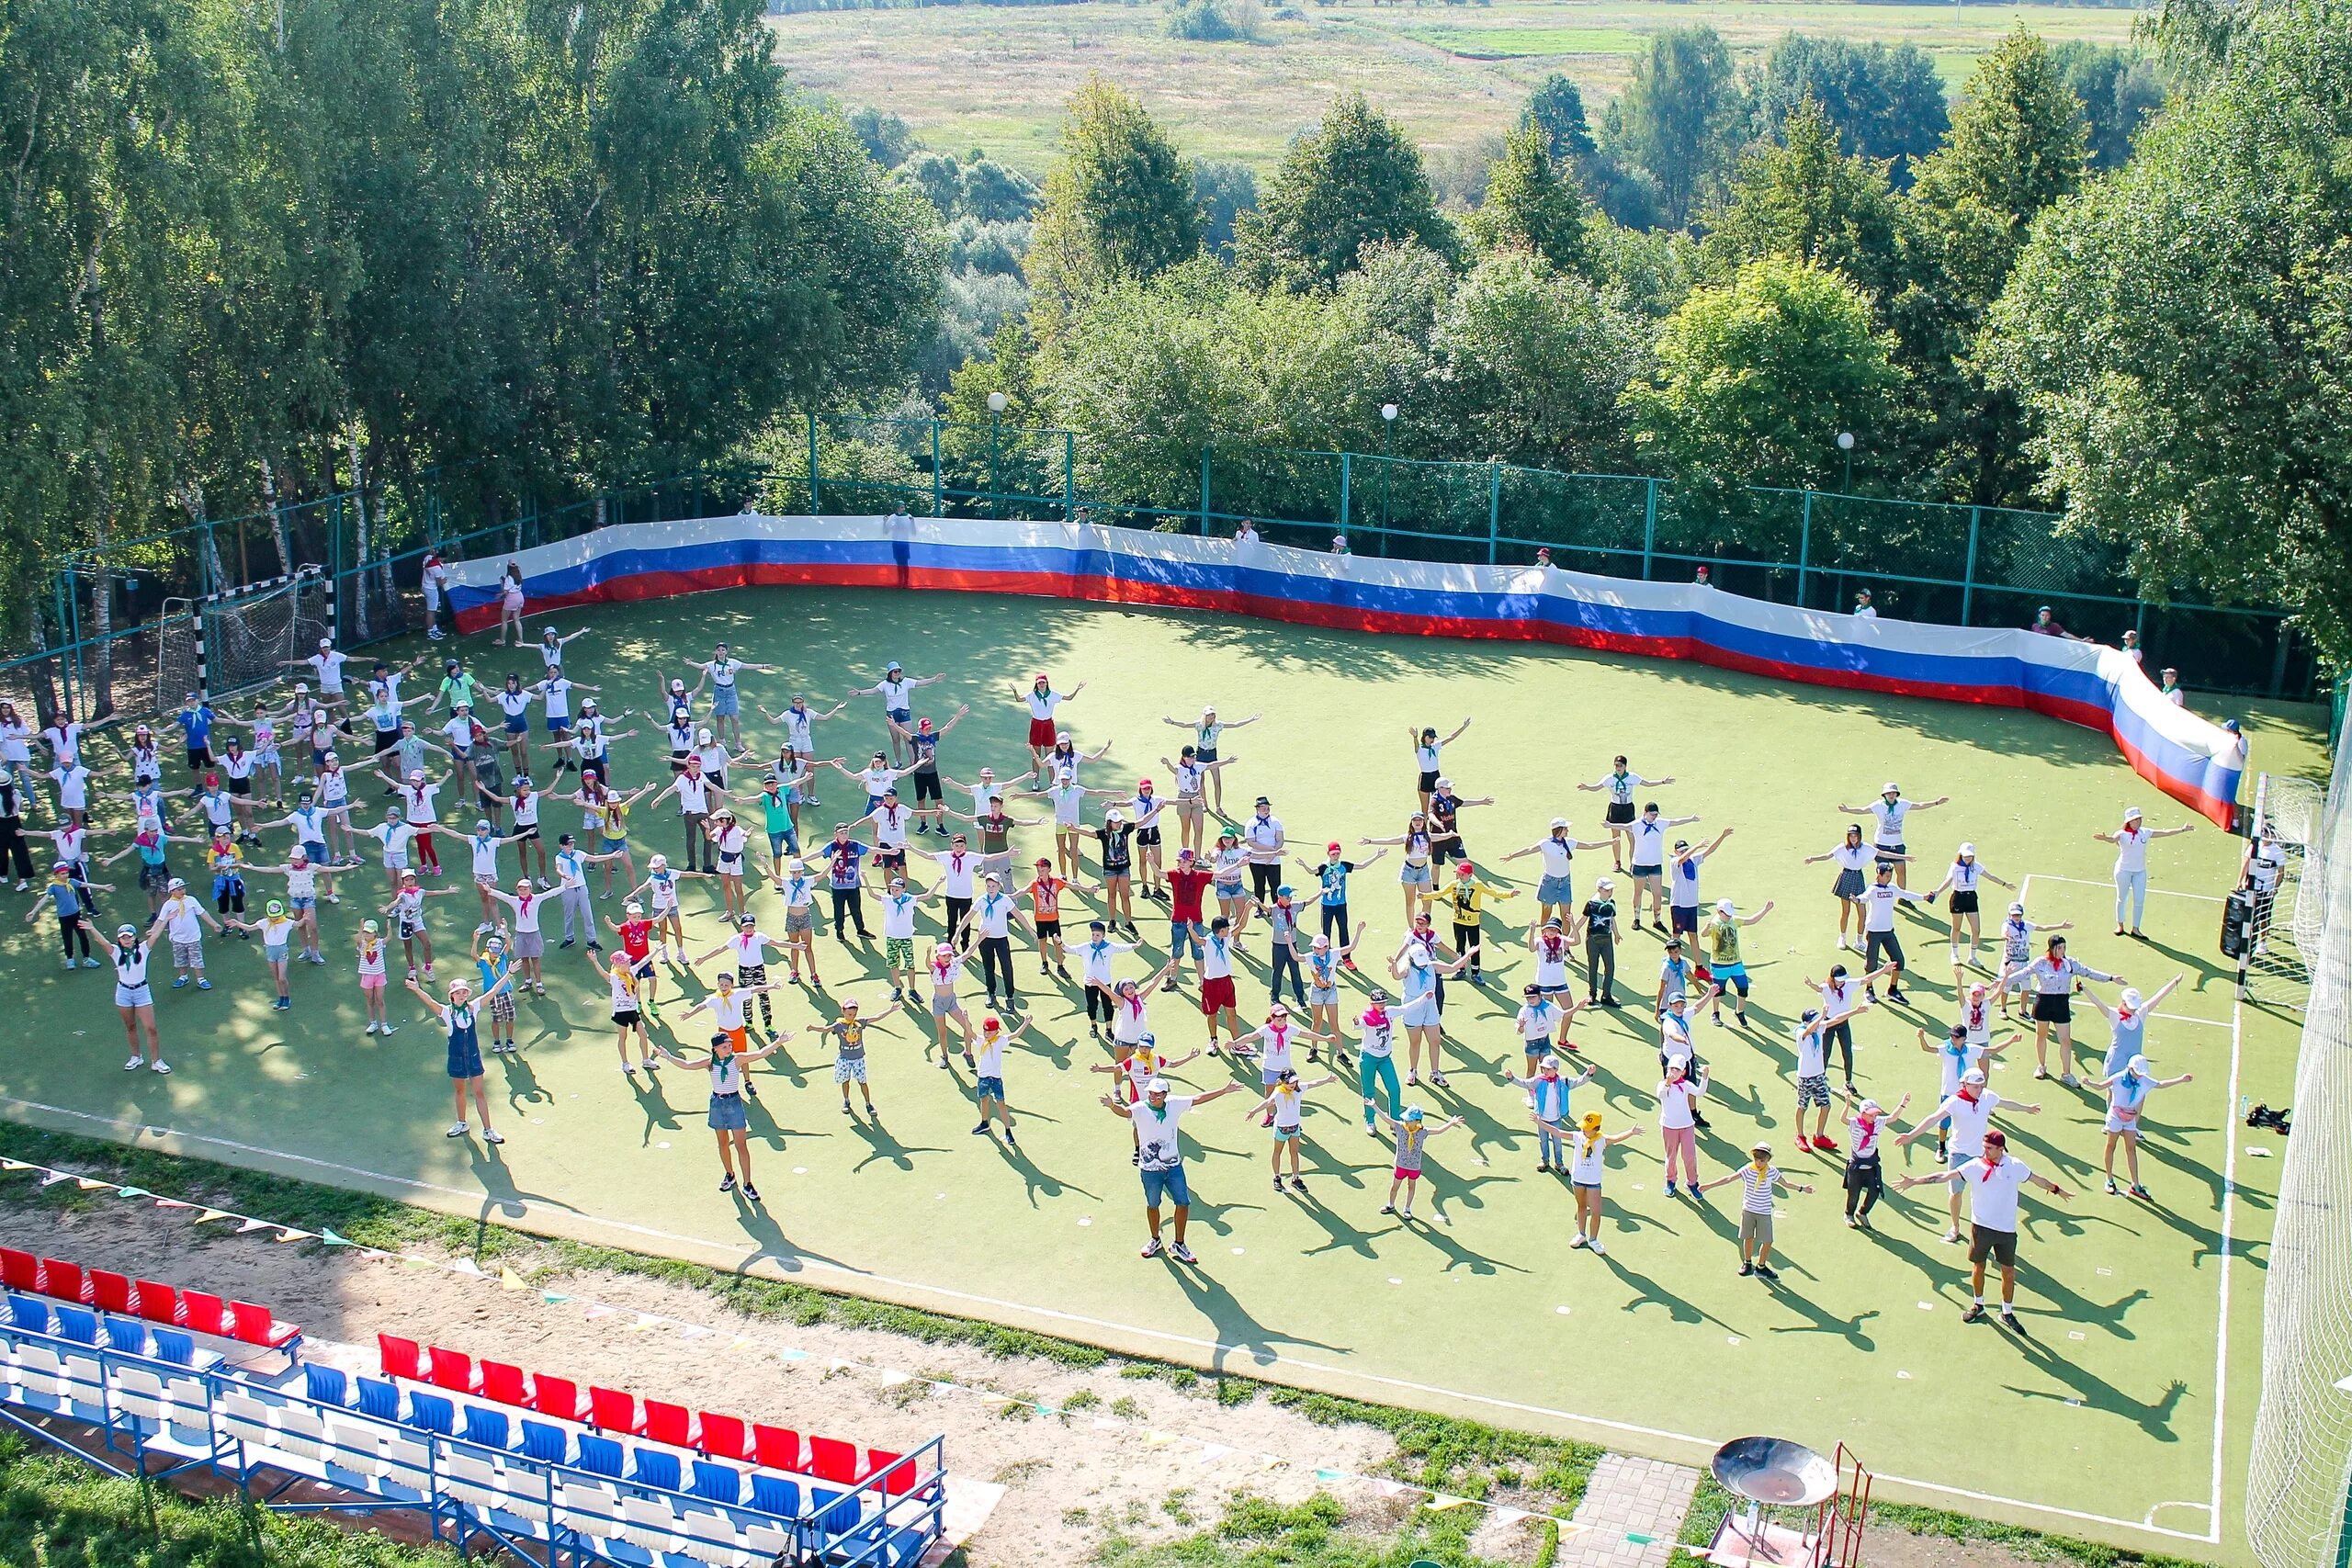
x=242 y=639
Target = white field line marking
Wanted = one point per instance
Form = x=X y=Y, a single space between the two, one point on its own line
x=2229 y=1210
x=1215 y=1347
x=2152 y=892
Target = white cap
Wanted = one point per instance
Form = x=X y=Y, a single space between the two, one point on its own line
x=1889 y=787
x=1156 y=1086
x=2131 y=998
x=326 y=642
x=2130 y=814
x=2137 y=1066
x=1973 y=1075
x=1968 y=849
x=1677 y=1064
x=1723 y=907
x=2016 y=908
x=1560 y=821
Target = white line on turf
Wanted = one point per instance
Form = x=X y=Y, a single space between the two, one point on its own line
x=2229 y=1210
x=2152 y=892
x=1215 y=1347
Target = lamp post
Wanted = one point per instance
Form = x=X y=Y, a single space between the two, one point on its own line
x=996 y=414
x=1388 y=468
x=1846 y=444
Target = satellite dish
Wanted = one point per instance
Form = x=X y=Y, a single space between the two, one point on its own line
x=1774 y=1470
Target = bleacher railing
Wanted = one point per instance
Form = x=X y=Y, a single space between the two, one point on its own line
x=1952 y=564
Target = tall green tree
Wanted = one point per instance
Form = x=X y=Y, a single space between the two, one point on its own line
x=1886 y=100
x=1680 y=117
x=2019 y=141
x=1119 y=203
x=1557 y=108
x=2120 y=89
x=1754 y=379
x=1800 y=198
x=1532 y=205
x=2182 y=332
x=1355 y=180
x=1531 y=365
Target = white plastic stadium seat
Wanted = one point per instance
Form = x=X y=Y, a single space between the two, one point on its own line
x=471 y=1480
x=764 y=1542
x=188 y=1413
x=648 y=1522
x=242 y=1418
x=406 y=1464
x=86 y=1388
x=138 y=1393
x=41 y=1376
x=353 y=1454
x=590 y=1508
x=302 y=1431
x=709 y=1536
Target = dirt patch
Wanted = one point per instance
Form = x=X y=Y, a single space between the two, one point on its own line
x=1901 y=1549
x=1124 y=1454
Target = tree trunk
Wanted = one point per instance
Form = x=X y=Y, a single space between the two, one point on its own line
x=101 y=587
x=362 y=579
x=44 y=674
x=277 y=532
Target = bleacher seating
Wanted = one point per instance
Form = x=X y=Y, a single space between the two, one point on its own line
x=508 y=1457
x=29 y=1274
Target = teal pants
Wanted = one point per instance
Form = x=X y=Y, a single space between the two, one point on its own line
x=1380 y=1070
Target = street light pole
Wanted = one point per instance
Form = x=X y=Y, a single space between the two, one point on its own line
x=1387 y=465
x=996 y=414
x=1846 y=444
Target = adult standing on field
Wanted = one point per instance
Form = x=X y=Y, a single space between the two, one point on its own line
x=1159 y=1155
x=1203 y=750
x=1890 y=809
x=2132 y=840
x=1042 y=701
x=1994 y=1181
x=1619 y=784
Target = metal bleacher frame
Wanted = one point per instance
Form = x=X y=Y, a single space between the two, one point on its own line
x=546 y=1491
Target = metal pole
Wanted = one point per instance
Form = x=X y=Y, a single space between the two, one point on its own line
x=1968 y=572
x=1204 y=490
x=335 y=572
x=1494 y=510
x=1649 y=524
x=995 y=505
x=936 y=482
x=1070 y=475
x=814 y=509
x=1343 y=492
x=1804 y=549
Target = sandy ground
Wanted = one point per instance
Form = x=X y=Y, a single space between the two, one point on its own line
x=1130 y=1461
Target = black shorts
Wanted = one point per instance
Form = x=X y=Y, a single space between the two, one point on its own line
x=890 y=860
x=1963 y=902
x=1147 y=837
x=1881 y=850
x=239 y=786
x=1428 y=781
x=627 y=1018
x=2053 y=1007
x=1447 y=849
x=385 y=740
x=1048 y=929
x=927 y=788
x=526 y=830
x=2001 y=1247
x=1619 y=813
x=200 y=756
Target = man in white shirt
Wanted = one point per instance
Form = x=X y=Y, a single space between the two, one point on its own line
x=1864 y=610
x=1263 y=836
x=1159 y=1155
x=1966 y=1118
x=1994 y=1181
x=1881 y=949
x=1889 y=810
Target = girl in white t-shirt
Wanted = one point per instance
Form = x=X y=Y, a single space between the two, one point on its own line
x=1587 y=1155
x=1284 y=1107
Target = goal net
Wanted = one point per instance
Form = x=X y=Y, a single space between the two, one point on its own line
x=2300 y=1466
x=235 y=641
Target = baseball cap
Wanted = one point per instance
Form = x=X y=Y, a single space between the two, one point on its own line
x=1560 y=821
x=1973 y=1075
x=1156 y=1086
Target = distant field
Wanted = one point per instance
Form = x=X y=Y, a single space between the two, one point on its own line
x=995 y=76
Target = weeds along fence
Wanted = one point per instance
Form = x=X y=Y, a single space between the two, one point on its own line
x=102 y=636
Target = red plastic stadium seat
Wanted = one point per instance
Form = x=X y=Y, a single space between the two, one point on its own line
x=898 y=1482
x=725 y=1437
x=830 y=1458
x=559 y=1397
x=452 y=1370
x=19 y=1269
x=111 y=1291
x=255 y=1326
x=776 y=1448
x=503 y=1383
x=672 y=1424
x=205 y=1313
x=155 y=1301
x=401 y=1358
x=64 y=1281
x=611 y=1410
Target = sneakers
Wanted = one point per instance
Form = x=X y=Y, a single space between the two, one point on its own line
x=981 y=1131
x=457 y=1130
x=1599 y=1251
x=160 y=1067
x=750 y=1192
x=93 y=963
x=1976 y=1313
x=1745 y=1268
x=1765 y=1271
x=2070 y=1080
x=1827 y=1145
x=1151 y=1247
x=284 y=1003
x=1672 y=1191
x=133 y=1065
x=1952 y=1237
x=492 y=1135
x=727 y=1183
x=2141 y=1192
x=202 y=984
x=1182 y=1253
x=1578 y=1240
x=2112 y=1188
x=1298 y=1184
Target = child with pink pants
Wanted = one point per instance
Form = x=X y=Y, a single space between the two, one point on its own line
x=1677 y=1101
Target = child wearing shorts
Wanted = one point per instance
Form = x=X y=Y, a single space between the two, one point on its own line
x=1412 y=1139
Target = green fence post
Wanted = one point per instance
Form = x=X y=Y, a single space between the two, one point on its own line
x=1344 y=482
x=1204 y=491
x=1070 y=475
x=1805 y=547
x=1649 y=524
x=69 y=670
x=1968 y=572
x=814 y=510
x=938 y=494
x=1494 y=510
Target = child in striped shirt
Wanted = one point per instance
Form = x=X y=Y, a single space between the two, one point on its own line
x=1756 y=1179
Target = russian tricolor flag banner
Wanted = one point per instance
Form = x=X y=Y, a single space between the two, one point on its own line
x=2189 y=758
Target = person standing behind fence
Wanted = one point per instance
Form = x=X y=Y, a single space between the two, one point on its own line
x=510 y=605
x=436 y=580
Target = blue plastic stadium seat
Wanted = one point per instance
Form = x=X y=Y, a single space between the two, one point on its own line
x=719 y=1483
x=775 y=1495
x=485 y=1426
x=600 y=1456
x=28 y=1314
x=656 y=1467
x=431 y=1412
x=127 y=1334
x=545 y=1443
x=326 y=1384
x=173 y=1345
x=835 y=1511
x=78 y=1324
x=379 y=1399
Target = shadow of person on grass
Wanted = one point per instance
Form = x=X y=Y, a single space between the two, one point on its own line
x=1647 y=1292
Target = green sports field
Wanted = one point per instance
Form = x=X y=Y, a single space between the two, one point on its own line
x=2125 y=1406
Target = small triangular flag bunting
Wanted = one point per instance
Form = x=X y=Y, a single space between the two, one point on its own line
x=1439 y=1500
x=892 y=1377
x=553 y=1298
x=692 y=1331
x=1323 y=1474
x=90 y=1183
x=253 y=1225
x=414 y=1261
x=172 y=1204
x=53 y=1178
x=290 y=1233
x=598 y=1309
x=508 y=1279
x=1389 y=1488
x=1509 y=1515
x=646 y=1323
x=1271 y=1462
x=738 y=1344
x=465 y=1265
x=1212 y=1452
x=132 y=1192
x=789 y=1354
x=1159 y=1440
x=332 y=1239
x=210 y=1216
